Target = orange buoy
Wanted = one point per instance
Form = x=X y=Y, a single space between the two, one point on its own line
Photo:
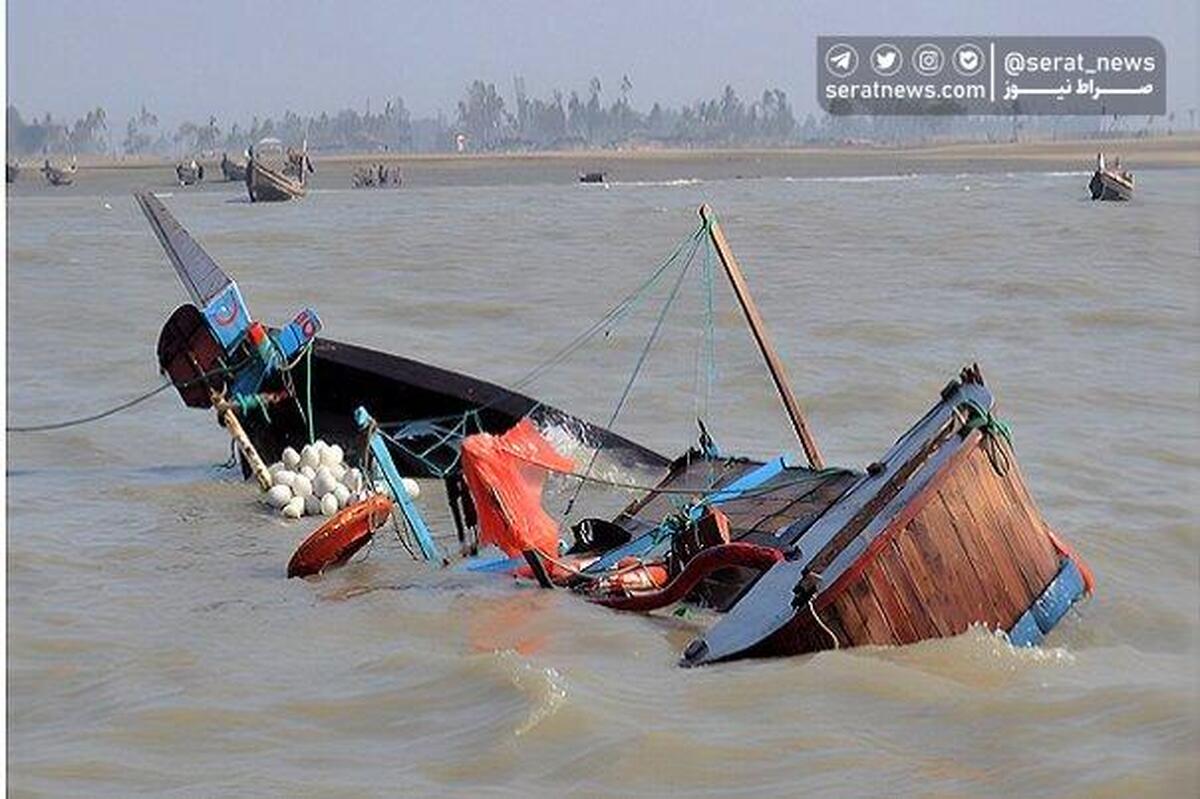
x=336 y=541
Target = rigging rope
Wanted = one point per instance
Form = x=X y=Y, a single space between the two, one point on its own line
x=38 y=428
x=637 y=367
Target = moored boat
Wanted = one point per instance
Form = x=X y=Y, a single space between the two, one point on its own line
x=11 y=171
x=591 y=177
x=274 y=174
x=234 y=171
x=59 y=176
x=189 y=173
x=1110 y=182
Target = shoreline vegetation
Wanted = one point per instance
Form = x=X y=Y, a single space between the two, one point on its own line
x=1180 y=150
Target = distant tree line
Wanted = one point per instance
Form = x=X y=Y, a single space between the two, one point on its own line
x=485 y=121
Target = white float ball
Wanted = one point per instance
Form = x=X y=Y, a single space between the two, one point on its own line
x=294 y=509
x=343 y=495
x=411 y=486
x=291 y=458
x=353 y=480
x=278 y=496
x=312 y=505
x=329 y=504
x=310 y=456
x=308 y=472
x=285 y=478
x=302 y=487
x=329 y=456
x=338 y=470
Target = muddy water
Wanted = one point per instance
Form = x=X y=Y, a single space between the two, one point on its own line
x=154 y=647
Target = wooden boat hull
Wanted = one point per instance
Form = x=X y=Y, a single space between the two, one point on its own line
x=940 y=535
x=267 y=185
x=1107 y=185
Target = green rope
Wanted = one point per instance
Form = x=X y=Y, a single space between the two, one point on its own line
x=248 y=402
x=980 y=418
x=994 y=429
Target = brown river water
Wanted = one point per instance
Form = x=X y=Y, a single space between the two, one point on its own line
x=155 y=648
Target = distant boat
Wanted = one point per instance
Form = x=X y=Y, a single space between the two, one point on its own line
x=59 y=176
x=189 y=173
x=591 y=177
x=11 y=170
x=275 y=174
x=232 y=170
x=377 y=176
x=1110 y=183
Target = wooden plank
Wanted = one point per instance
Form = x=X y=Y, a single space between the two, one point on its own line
x=995 y=572
x=992 y=517
x=975 y=602
x=907 y=596
x=913 y=563
x=759 y=330
x=878 y=624
x=947 y=599
x=852 y=620
x=894 y=608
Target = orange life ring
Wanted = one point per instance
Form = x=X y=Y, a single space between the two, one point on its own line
x=336 y=541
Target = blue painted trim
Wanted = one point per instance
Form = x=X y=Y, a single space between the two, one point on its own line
x=1047 y=610
x=416 y=522
x=1026 y=631
x=500 y=565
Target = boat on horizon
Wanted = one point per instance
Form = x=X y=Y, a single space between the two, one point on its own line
x=939 y=535
x=234 y=171
x=12 y=170
x=189 y=173
x=59 y=176
x=1110 y=182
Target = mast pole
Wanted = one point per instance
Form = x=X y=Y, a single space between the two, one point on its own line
x=759 y=330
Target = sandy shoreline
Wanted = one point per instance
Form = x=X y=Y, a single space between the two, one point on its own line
x=1182 y=150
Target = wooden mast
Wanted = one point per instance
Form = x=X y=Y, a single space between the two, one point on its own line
x=754 y=319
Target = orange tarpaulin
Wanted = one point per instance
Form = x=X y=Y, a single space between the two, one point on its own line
x=505 y=475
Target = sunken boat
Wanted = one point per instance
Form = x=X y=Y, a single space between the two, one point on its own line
x=189 y=173
x=59 y=176
x=233 y=171
x=939 y=535
x=1110 y=182
x=276 y=174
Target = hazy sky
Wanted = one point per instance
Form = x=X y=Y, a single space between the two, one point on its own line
x=233 y=59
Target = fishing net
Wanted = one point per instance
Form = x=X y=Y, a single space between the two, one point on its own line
x=505 y=475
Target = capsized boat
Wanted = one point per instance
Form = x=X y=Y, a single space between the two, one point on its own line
x=1110 y=182
x=939 y=534
x=274 y=174
x=287 y=382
